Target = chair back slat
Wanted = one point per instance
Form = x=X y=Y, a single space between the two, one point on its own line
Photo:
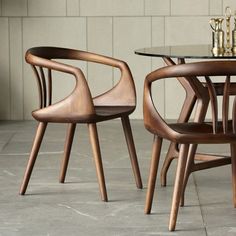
x=214 y=104
x=225 y=104
x=49 y=87
x=40 y=89
x=44 y=86
x=234 y=115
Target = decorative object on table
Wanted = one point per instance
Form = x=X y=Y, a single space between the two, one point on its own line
x=217 y=36
x=218 y=47
x=227 y=20
x=234 y=35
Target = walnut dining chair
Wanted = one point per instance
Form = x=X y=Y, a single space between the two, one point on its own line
x=195 y=96
x=80 y=106
x=189 y=133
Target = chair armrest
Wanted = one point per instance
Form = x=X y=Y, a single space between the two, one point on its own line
x=152 y=119
x=123 y=93
x=80 y=100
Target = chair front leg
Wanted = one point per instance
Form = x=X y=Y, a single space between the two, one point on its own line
x=132 y=151
x=233 y=163
x=184 y=116
x=156 y=151
x=98 y=160
x=67 y=151
x=33 y=155
x=178 y=187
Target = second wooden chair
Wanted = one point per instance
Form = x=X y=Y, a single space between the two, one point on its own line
x=189 y=134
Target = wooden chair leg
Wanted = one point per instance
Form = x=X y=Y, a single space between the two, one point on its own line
x=233 y=163
x=188 y=170
x=156 y=150
x=132 y=151
x=67 y=150
x=98 y=160
x=178 y=187
x=170 y=156
x=33 y=155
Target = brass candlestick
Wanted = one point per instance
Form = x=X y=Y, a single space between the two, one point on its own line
x=217 y=36
x=227 y=19
x=234 y=35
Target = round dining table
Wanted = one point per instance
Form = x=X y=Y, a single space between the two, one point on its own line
x=177 y=55
x=200 y=51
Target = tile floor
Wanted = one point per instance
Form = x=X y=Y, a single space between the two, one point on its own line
x=74 y=208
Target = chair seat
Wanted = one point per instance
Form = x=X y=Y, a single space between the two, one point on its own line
x=102 y=113
x=204 y=132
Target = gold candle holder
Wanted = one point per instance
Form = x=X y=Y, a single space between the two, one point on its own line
x=234 y=35
x=227 y=19
x=217 y=36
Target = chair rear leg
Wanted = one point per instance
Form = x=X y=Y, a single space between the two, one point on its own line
x=156 y=150
x=170 y=156
x=67 y=150
x=233 y=163
x=33 y=155
x=178 y=187
x=98 y=160
x=188 y=170
x=132 y=151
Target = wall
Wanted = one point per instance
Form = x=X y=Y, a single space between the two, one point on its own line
x=111 y=27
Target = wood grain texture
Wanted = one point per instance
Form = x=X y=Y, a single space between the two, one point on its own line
x=80 y=106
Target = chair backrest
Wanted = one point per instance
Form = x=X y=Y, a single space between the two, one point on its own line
x=189 y=72
x=44 y=59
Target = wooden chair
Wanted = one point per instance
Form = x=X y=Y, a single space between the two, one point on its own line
x=197 y=95
x=191 y=133
x=80 y=106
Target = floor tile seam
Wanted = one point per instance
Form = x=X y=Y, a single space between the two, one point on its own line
x=200 y=205
x=8 y=141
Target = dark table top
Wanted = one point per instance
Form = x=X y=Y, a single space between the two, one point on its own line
x=185 y=51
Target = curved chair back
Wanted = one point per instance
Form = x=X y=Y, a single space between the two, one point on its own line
x=153 y=120
x=44 y=59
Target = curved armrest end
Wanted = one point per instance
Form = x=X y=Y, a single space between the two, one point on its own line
x=152 y=119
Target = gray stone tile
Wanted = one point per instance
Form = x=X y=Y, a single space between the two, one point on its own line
x=218 y=231
x=75 y=208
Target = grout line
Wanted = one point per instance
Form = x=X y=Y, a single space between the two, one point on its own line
x=164 y=25
x=27 y=7
x=103 y=16
x=8 y=141
x=151 y=31
x=9 y=51
x=87 y=64
x=66 y=7
x=79 y=7
x=209 y=7
x=86 y=22
x=112 y=49
x=22 y=68
x=151 y=42
x=144 y=7
x=201 y=210
x=222 y=6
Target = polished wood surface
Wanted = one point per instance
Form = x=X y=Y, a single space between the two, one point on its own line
x=189 y=134
x=80 y=106
x=196 y=93
x=192 y=98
